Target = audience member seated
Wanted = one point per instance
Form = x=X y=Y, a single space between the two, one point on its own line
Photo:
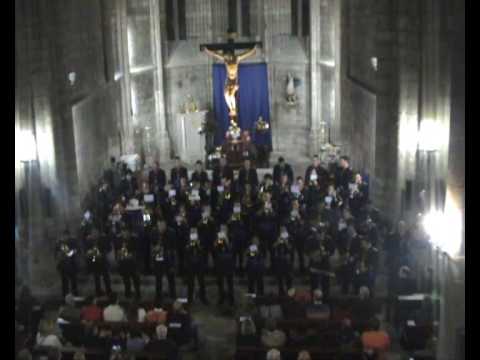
x=363 y=309
x=318 y=310
x=24 y=354
x=46 y=335
x=92 y=312
x=156 y=314
x=304 y=355
x=274 y=354
x=161 y=344
x=374 y=340
x=54 y=354
x=346 y=335
x=79 y=356
x=271 y=336
x=135 y=341
x=114 y=312
x=181 y=328
x=70 y=312
x=118 y=339
x=248 y=334
x=292 y=308
x=136 y=313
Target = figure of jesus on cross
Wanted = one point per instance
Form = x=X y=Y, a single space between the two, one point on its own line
x=226 y=53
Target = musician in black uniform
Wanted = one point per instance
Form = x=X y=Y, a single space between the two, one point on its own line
x=224 y=267
x=343 y=176
x=199 y=174
x=223 y=170
x=366 y=267
x=346 y=271
x=224 y=199
x=97 y=263
x=171 y=207
x=127 y=265
x=177 y=173
x=247 y=175
x=163 y=258
x=298 y=230
x=284 y=199
x=238 y=235
x=255 y=270
x=65 y=254
x=280 y=169
x=282 y=261
x=321 y=175
x=157 y=178
x=207 y=233
x=320 y=272
x=358 y=196
x=313 y=193
x=105 y=199
x=182 y=230
x=267 y=226
x=86 y=226
x=195 y=267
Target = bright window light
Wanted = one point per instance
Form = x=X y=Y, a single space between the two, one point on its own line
x=431 y=135
x=25 y=146
x=445 y=228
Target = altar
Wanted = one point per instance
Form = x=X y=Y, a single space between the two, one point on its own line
x=189 y=144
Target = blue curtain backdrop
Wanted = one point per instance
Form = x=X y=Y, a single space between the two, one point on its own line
x=252 y=101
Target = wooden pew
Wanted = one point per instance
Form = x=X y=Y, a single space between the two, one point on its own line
x=68 y=352
x=317 y=353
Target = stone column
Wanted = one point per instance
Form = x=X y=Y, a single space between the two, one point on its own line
x=162 y=142
x=385 y=193
x=315 y=77
x=452 y=316
x=127 y=123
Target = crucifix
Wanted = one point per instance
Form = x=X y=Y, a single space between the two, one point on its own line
x=225 y=52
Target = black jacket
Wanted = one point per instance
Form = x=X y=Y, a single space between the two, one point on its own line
x=157 y=178
x=201 y=177
x=278 y=171
x=176 y=174
x=219 y=172
x=249 y=176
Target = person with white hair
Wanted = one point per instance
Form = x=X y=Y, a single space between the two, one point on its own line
x=318 y=310
x=161 y=343
x=304 y=355
x=274 y=354
x=272 y=337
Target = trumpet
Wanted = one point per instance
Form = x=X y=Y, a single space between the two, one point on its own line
x=124 y=253
x=157 y=252
x=66 y=251
x=93 y=254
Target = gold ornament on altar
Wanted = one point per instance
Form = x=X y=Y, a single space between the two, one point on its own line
x=261 y=125
x=234 y=132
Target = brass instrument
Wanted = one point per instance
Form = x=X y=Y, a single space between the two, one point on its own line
x=227 y=195
x=65 y=251
x=124 y=253
x=93 y=254
x=157 y=252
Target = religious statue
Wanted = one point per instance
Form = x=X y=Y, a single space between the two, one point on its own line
x=290 y=90
x=226 y=54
